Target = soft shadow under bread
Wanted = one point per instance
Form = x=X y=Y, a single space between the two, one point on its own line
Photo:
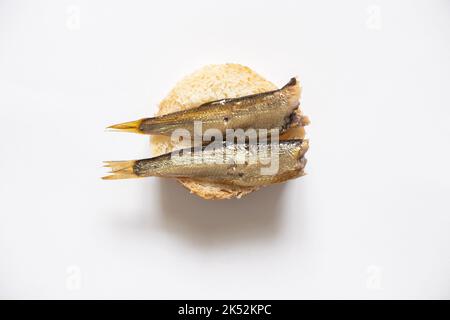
x=220 y=222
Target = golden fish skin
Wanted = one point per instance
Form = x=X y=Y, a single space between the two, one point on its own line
x=268 y=110
x=243 y=164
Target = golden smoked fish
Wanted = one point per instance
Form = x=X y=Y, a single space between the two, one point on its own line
x=269 y=110
x=241 y=164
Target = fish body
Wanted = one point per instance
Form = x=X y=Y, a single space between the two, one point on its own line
x=268 y=110
x=241 y=164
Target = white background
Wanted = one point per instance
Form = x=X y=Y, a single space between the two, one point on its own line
x=371 y=219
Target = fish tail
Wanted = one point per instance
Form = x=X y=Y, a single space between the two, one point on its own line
x=144 y=126
x=131 y=126
x=120 y=170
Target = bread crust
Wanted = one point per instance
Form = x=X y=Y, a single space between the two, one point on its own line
x=214 y=82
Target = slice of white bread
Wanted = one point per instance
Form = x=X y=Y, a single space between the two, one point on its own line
x=210 y=83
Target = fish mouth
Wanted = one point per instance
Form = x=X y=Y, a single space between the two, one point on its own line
x=304 y=146
x=302 y=163
x=301 y=160
x=293 y=92
x=293 y=120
